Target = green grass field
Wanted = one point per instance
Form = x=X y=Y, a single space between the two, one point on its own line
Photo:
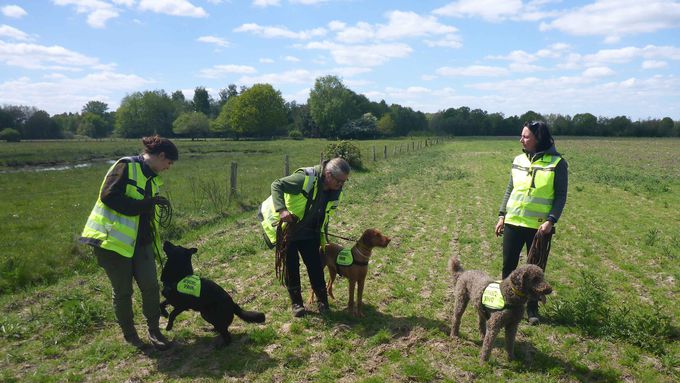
x=614 y=268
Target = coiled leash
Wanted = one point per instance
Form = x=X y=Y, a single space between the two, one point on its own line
x=164 y=219
x=540 y=248
x=282 y=236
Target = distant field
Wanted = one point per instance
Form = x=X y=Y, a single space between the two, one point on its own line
x=45 y=210
x=614 y=266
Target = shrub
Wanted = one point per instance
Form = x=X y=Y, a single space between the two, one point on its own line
x=295 y=134
x=589 y=308
x=347 y=151
x=10 y=135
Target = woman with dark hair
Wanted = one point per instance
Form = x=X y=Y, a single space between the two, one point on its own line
x=534 y=198
x=123 y=231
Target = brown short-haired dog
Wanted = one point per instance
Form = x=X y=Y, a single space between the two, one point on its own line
x=356 y=272
x=523 y=283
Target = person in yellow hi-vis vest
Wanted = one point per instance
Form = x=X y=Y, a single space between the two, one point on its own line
x=309 y=197
x=123 y=231
x=534 y=198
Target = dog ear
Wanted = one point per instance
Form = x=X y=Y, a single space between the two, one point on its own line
x=517 y=279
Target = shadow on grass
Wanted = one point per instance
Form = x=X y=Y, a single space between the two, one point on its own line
x=528 y=359
x=200 y=358
x=375 y=321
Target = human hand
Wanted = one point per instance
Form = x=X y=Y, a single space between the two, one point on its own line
x=546 y=227
x=160 y=200
x=499 y=226
x=286 y=216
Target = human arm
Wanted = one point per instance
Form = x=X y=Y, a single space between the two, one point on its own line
x=291 y=184
x=113 y=193
x=502 y=209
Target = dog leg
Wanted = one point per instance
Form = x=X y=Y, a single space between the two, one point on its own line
x=481 y=322
x=171 y=318
x=164 y=311
x=491 y=333
x=331 y=278
x=223 y=340
x=350 y=303
x=510 y=333
x=458 y=311
x=360 y=295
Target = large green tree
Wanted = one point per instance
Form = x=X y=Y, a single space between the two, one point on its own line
x=93 y=125
x=201 y=100
x=259 y=111
x=331 y=105
x=145 y=113
x=192 y=124
x=40 y=125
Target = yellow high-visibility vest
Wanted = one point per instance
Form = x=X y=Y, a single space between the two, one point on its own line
x=533 y=190
x=111 y=230
x=296 y=204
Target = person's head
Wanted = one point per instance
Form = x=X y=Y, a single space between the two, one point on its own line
x=336 y=173
x=159 y=153
x=536 y=137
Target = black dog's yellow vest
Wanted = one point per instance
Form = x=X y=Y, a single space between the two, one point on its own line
x=190 y=285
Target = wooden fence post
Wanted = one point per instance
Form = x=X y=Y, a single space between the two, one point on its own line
x=233 y=186
x=286 y=166
x=373 y=153
x=385 y=152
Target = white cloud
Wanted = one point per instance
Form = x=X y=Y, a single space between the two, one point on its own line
x=173 y=8
x=283 y=32
x=213 y=40
x=300 y=76
x=653 y=64
x=127 y=3
x=14 y=11
x=365 y=55
x=473 y=71
x=614 y=19
x=292 y=59
x=266 y=3
x=308 y=2
x=627 y=54
x=34 y=56
x=98 y=12
x=58 y=93
x=491 y=10
x=266 y=61
x=598 y=71
x=400 y=25
x=13 y=33
x=349 y=71
x=336 y=25
x=218 y=71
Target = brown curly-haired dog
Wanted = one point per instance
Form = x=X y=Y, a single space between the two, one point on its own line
x=523 y=283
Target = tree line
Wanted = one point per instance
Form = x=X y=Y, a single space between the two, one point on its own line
x=332 y=111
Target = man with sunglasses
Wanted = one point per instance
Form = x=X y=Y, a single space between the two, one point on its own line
x=308 y=197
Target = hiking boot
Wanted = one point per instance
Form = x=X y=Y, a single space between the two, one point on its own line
x=298 y=310
x=158 y=340
x=133 y=340
x=323 y=308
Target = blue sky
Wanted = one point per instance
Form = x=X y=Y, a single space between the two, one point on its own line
x=606 y=57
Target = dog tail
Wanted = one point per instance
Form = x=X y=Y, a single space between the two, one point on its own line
x=455 y=268
x=249 y=316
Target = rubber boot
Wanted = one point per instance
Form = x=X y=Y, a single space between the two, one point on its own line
x=532 y=313
x=297 y=305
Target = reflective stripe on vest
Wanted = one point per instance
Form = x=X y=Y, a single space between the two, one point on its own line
x=115 y=231
x=190 y=285
x=533 y=190
x=492 y=298
x=296 y=204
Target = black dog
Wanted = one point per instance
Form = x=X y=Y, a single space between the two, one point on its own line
x=214 y=304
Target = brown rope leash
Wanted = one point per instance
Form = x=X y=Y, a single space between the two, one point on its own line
x=540 y=248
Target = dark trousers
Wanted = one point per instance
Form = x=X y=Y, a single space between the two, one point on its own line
x=516 y=238
x=309 y=250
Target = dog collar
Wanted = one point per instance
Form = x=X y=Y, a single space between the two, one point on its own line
x=516 y=292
